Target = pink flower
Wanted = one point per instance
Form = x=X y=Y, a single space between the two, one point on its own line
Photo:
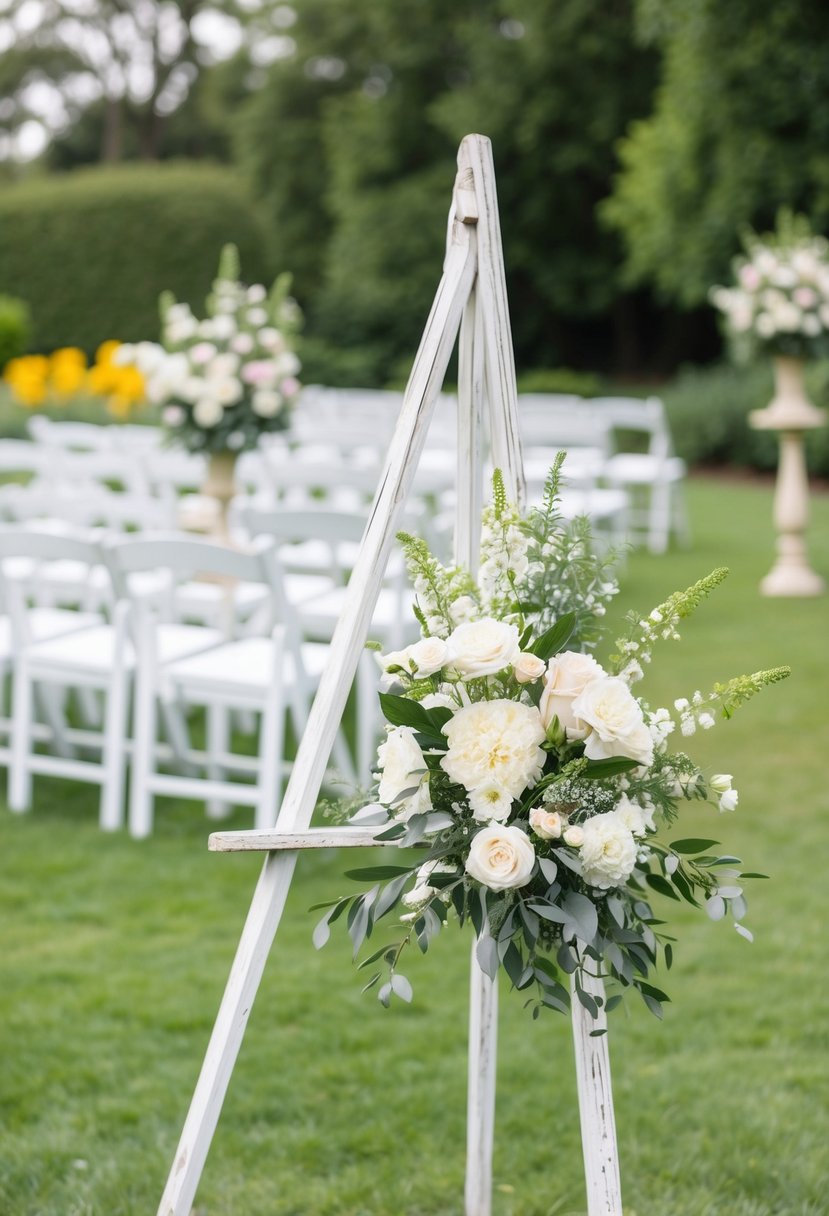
x=804 y=297
x=202 y=352
x=259 y=371
x=749 y=277
x=289 y=386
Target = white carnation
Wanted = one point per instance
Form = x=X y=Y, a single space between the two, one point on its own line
x=489 y=802
x=632 y=816
x=495 y=741
x=608 y=851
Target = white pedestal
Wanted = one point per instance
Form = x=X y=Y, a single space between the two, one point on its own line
x=791 y=414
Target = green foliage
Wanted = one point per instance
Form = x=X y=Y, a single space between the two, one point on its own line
x=91 y=251
x=560 y=380
x=740 y=127
x=15 y=327
x=368 y=113
x=708 y=409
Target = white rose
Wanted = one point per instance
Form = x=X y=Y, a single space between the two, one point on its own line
x=729 y=800
x=501 y=857
x=439 y=700
x=490 y=802
x=615 y=721
x=481 y=648
x=608 y=851
x=567 y=675
x=528 y=667
x=207 y=412
x=574 y=836
x=494 y=741
x=546 y=824
x=428 y=656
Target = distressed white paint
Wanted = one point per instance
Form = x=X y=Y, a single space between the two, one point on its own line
x=598 y=1123
x=273 y=839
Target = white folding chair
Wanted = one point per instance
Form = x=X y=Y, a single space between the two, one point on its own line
x=266 y=674
x=97 y=659
x=655 y=475
x=330 y=540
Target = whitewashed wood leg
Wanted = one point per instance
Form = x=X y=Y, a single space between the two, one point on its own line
x=480 y=1108
x=20 y=776
x=252 y=954
x=218 y=743
x=598 y=1123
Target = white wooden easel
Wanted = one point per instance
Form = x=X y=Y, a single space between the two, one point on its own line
x=471 y=298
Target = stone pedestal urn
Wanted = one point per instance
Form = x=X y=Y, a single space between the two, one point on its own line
x=791 y=414
x=221 y=487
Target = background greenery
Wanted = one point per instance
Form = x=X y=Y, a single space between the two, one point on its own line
x=633 y=143
x=113 y=956
x=91 y=257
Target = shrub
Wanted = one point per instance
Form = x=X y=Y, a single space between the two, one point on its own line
x=708 y=410
x=15 y=327
x=559 y=380
x=90 y=251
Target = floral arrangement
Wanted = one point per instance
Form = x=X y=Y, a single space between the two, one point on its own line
x=227 y=379
x=780 y=304
x=538 y=783
x=65 y=377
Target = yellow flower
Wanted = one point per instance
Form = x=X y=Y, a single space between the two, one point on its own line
x=67 y=371
x=104 y=353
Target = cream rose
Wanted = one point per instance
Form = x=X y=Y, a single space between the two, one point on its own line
x=608 y=851
x=501 y=857
x=494 y=742
x=567 y=676
x=546 y=824
x=481 y=648
x=528 y=667
x=614 y=718
x=633 y=816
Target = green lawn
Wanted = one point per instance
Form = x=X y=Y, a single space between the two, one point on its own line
x=113 y=956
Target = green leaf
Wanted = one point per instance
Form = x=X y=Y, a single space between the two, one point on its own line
x=401 y=987
x=566 y=959
x=400 y=711
x=377 y=873
x=693 y=845
x=587 y=1000
x=581 y=913
x=374 y=980
x=594 y=770
x=555 y=638
x=669 y=955
x=486 y=953
x=549 y=912
x=661 y=885
x=649 y=990
x=612 y=1002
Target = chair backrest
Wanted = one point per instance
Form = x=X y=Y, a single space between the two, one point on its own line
x=22 y=456
x=104 y=467
x=70 y=436
x=186 y=557
x=556 y=421
x=20 y=581
x=339 y=531
x=646 y=417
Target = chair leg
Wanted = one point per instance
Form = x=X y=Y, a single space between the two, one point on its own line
x=659 y=520
x=143 y=755
x=271 y=753
x=218 y=735
x=20 y=775
x=113 y=754
x=50 y=700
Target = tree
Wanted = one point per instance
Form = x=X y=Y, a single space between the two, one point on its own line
x=129 y=64
x=740 y=127
x=352 y=143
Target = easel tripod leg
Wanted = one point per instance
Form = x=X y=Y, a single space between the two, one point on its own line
x=598 y=1123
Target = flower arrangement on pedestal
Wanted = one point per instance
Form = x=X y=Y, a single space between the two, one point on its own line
x=226 y=379
x=536 y=780
x=780 y=303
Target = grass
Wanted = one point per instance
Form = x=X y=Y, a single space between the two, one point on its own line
x=113 y=956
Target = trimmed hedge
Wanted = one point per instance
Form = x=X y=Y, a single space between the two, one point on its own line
x=15 y=326
x=90 y=251
x=708 y=410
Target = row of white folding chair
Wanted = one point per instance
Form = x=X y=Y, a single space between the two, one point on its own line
x=102 y=655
